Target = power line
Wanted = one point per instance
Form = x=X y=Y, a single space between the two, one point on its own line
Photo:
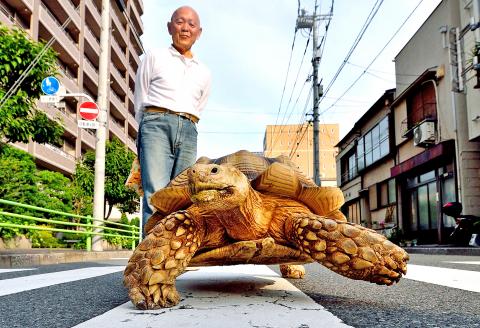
x=13 y=89
x=286 y=76
x=369 y=19
x=374 y=59
x=291 y=95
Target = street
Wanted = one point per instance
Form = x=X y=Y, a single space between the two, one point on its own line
x=92 y=295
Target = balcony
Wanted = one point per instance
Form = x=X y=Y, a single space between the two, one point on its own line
x=92 y=41
x=119 y=105
x=95 y=18
x=134 y=62
x=20 y=16
x=64 y=10
x=131 y=143
x=88 y=138
x=118 y=32
x=68 y=122
x=118 y=55
x=119 y=83
x=117 y=129
x=139 y=6
x=135 y=18
x=54 y=157
x=61 y=36
x=90 y=69
x=68 y=81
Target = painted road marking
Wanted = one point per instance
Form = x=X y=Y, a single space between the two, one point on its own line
x=461 y=279
x=13 y=270
x=21 y=284
x=464 y=262
x=238 y=296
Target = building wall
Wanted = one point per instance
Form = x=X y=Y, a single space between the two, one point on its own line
x=296 y=141
x=78 y=48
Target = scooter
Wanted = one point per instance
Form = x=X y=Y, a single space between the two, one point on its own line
x=467 y=227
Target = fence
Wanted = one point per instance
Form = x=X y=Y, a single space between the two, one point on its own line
x=87 y=228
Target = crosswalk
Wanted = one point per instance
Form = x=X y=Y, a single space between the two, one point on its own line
x=239 y=296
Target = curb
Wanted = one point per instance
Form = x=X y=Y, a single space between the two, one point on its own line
x=466 y=251
x=22 y=260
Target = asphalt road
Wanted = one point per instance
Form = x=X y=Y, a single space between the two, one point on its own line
x=407 y=304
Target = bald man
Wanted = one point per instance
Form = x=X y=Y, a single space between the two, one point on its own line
x=171 y=90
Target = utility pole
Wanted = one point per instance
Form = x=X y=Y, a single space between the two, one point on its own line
x=103 y=85
x=311 y=22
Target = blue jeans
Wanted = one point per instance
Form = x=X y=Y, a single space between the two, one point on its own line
x=167 y=145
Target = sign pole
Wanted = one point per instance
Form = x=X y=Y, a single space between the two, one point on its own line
x=99 y=184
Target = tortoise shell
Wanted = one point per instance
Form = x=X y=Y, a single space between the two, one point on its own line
x=277 y=175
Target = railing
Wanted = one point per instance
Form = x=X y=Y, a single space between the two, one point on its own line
x=88 y=228
x=59 y=151
x=59 y=25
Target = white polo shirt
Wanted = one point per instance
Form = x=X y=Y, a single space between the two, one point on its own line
x=167 y=79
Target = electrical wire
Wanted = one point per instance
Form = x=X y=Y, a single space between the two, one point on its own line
x=14 y=88
x=283 y=122
x=374 y=59
x=369 y=19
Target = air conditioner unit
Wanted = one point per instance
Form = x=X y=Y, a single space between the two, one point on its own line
x=424 y=134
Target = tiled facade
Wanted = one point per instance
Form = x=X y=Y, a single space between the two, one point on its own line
x=78 y=48
x=296 y=141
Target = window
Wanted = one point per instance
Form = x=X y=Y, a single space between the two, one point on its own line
x=386 y=192
x=421 y=104
x=349 y=167
x=374 y=145
x=353 y=212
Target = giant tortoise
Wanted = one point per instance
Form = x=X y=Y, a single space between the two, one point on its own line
x=246 y=208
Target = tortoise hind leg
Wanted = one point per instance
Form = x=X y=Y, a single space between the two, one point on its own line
x=161 y=257
x=348 y=249
x=292 y=271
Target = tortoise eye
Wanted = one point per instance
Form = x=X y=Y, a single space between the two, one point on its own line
x=214 y=170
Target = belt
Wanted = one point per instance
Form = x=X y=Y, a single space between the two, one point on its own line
x=152 y=109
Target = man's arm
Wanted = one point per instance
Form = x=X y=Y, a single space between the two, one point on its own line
x=142 y=83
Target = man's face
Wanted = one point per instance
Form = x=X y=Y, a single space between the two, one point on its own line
x=184 y=28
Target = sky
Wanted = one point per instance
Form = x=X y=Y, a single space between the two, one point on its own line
x=247 y=45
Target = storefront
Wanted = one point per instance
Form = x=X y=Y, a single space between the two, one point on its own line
x=426 y=182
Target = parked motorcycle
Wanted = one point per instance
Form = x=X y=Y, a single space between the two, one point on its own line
x=467 y=227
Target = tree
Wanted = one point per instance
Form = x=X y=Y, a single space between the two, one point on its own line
x=21 y=182
x=118 y=160
x=20 y=119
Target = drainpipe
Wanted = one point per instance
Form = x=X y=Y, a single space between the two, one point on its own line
x=452 y=46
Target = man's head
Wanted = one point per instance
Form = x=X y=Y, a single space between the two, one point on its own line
x=184 y=27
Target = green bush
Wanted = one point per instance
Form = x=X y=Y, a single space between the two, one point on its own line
x=119 y=238
x=44 y=239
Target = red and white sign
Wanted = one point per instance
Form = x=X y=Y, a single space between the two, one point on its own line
x=89 y=110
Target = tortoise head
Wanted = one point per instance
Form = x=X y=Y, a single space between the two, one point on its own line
x=217 y=186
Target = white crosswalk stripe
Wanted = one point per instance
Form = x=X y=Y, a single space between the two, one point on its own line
x=15 y=270
x=17 y=285
x=461 y=279
x=239 y=296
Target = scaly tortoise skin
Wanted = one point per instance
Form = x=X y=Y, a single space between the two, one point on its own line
x=213 y=214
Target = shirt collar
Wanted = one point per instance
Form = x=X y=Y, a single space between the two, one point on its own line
x=175 y=52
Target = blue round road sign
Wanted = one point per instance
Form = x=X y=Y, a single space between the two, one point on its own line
x=50 y=85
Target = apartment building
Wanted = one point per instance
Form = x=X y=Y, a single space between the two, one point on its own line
x=364 y=161
x=434 y=134
x=296 y=141
x=75 y=25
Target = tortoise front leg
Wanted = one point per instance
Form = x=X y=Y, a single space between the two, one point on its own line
x=348 y=249
x=161 y=257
